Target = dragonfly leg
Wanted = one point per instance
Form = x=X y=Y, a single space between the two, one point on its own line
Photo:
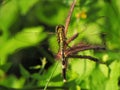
x=72 y=38
x=86 y=57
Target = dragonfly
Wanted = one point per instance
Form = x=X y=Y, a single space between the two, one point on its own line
x=65 y=51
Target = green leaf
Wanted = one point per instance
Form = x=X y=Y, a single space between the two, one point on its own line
x=92 y=33
x=97 y=80
x=24 y=72
x=112 y=83
x=82 y=67
x=51 y=14
x=30 y=36
x=11 y=82
x=25 y=5
x=27 y=37
x=8 y=14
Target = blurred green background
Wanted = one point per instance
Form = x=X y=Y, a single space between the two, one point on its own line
x=28 y=44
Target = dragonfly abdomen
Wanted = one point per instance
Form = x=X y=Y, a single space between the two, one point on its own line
x=60 y=30
x=60 y=33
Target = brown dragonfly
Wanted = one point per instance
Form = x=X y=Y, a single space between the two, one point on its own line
x=65 y=51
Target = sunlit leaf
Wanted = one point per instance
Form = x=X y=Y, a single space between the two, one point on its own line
x=112 y=83
x=97 y=80
x=8 y=14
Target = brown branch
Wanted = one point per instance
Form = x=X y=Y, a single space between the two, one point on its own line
x=69 y=16
x=82 y=47
x=86 y=57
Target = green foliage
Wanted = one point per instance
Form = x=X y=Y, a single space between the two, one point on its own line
x=25 y=24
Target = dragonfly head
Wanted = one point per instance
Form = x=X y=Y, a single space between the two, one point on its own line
x=60 y=28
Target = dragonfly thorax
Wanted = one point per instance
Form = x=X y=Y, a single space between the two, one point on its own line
x=60 y=31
